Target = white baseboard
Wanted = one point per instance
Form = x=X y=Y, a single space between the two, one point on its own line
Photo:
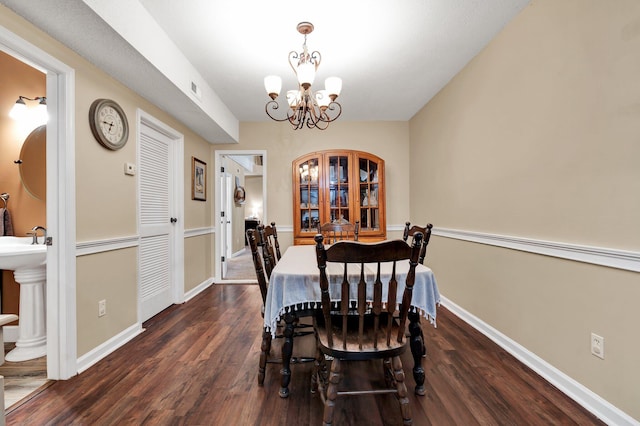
x=239 y=252
x=198 y=289
x=95 y=355
x=595 y=404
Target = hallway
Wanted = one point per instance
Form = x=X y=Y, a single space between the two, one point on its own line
x=240 y=267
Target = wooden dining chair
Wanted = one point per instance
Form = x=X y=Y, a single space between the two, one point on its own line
x=271 y=234
x=410 y=231
x=267 y=239
x=367 y=328
x=335 y=231
x=263 y=283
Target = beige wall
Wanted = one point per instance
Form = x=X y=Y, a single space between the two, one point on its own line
x=253 y=186
x=389 y=140
x=538 y=137
x=105 y=276
x=198 y=260
x=106 y=198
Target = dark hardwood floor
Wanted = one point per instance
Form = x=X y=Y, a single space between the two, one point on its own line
x=197 y=364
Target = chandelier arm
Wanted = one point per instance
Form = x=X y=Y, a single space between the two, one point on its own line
x=316 y=58
x=315 y=113
x=296 y=118
x=274 y=106
x=305 y=113
x=333 y=106
x=294 y=57
x=321 y=125
x=316 y=118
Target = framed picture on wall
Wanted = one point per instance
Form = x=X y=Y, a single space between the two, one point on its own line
x=198 y=179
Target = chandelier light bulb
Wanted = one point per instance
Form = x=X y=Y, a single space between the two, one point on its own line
x=306 y=73
x=273 y=85
x=333 y=86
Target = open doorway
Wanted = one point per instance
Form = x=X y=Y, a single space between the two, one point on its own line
x=60 y=304
x=241 y=186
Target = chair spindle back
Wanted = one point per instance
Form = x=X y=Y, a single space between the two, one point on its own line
x=369 y=314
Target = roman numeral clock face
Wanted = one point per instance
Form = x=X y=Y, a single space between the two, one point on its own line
x=108 y=124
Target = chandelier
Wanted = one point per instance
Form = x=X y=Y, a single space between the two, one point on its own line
x=306 y=107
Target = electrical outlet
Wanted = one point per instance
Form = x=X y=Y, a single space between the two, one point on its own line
x=102 y=308
x=597 y=345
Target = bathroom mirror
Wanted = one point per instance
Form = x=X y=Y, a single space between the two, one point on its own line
x=33 y=163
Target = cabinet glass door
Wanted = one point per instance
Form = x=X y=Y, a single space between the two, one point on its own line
x=309 y=196
x=369 y=194
x=338 y=189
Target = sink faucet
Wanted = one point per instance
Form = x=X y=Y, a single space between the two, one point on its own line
x=34 y=234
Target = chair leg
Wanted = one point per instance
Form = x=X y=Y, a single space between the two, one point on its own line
x=265 y=348
x=388 y=373
x=318 y=378
x=418 y=350
x=332 y=391
x=403 y=398
x=287 y=350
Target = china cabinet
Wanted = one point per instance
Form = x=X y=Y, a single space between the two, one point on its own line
x=338 y=185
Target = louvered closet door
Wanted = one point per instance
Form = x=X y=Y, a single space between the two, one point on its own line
x=155 y=223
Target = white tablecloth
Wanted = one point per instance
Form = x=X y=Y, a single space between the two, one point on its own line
x=295 y=281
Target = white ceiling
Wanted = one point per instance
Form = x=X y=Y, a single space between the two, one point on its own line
x=393 y=56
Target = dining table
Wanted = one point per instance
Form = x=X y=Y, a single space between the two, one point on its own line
x=294 y=292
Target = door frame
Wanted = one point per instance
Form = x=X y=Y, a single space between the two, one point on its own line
x=219 y=154
x=176 y=208
x=61 y=256
x=225 y=225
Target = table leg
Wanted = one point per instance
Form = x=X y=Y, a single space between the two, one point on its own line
x=418 y=350
x=287 y=350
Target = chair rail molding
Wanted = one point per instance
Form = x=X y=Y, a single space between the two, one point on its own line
x=98 y=246
x=613 y=258
x=84 y=248
x=194 y=232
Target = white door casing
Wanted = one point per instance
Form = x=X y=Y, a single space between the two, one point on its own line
x=61 y=204
x=221 y=238
x=225 y=220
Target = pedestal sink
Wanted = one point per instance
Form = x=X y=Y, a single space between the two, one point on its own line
x=28 y=263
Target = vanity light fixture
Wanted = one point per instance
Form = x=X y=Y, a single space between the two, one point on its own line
x=313 y=109
x=19 y=110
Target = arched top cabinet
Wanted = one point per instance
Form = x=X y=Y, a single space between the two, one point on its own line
x=335 y=185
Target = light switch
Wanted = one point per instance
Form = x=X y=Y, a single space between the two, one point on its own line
x=129 y=169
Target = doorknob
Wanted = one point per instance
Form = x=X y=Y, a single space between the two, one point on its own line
x=174 y=219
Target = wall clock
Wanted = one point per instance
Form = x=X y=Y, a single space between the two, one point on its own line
x=108 y=124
